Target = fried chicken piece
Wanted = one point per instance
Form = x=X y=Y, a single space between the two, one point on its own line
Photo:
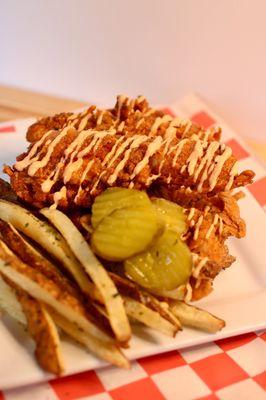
x=129 y=117
x=71 y=168
x=206 y=236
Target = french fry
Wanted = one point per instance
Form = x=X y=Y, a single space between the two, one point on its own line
x=107 y=351
x=40 y=287
x=111 y=297
x=47 y=237
x=9 y=302
x=42 y=329
x=148 y=317
x=194 y=317
x=129 y=289
x=29 y=255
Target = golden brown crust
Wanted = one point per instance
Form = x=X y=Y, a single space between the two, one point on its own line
x=43 y=331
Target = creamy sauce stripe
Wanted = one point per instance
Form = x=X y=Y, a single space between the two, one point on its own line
x=203 y=160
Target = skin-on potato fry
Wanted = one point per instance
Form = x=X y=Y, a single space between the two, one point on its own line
x=194 y=317
x=42 y=329
x=9 y=303
x=129 y=289
x=29 y=255
x=111 y=297
x=148 y=317
x=40 y=287
x=47 y=237
x=106 y=351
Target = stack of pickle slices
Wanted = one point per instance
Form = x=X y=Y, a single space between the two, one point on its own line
x=145 y=235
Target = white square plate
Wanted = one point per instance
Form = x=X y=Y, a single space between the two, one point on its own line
x=239 y=297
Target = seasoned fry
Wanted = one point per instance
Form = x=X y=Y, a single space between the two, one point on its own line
x=195 y=317
x=107 y=351
x=112 y=300
x=29 y=255
x=46 y=236
x=148 y=317
x=42 y=329
x=40 y=287
x=9 y=302
x=128 y=288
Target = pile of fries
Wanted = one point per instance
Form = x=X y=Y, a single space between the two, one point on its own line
x=51 y=282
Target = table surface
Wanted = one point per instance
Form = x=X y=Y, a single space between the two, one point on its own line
x=20 y=103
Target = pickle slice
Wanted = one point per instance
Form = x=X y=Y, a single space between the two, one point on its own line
x=164 y=266
x=171 y=214
x=115 y=198
x=124 y=233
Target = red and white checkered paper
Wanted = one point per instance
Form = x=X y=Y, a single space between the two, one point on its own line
x=228 y=369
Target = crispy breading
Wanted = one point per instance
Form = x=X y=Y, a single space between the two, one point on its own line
x=80 y=189
x=32 y=257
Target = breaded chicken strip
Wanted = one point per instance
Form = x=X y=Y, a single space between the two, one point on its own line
x=71 y=168
x=129 y=116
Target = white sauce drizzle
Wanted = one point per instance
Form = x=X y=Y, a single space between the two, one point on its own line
x=152 y=148
x=34 y=166
x=84 y=122
x=192 y=160
x=178 y=148
x=206 y=210
x=140 y=99
x=140 y=122
x=21 y=165
x=100 y=118
x=197 y=227
x=221 y=225
x=61 y=194
x=150 y=112
x=198 y=267
x=188 y=295
x=136 y=142
x=205 y=164
x=72 y=149
x=233 y=173
x=158 y=122
x=220 y=160
x=191 y=213
x=121 y=126
x=83 y=177
x=215 y=220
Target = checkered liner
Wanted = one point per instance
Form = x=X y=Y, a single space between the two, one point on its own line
x=227 y=369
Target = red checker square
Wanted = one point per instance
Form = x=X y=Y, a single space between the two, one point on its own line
x=263 y=336
x=203 y=119
x=261 y=380
x=238 y=151
x=258 y=190
x=209 y=397
x=161 y=362
x=144 y=389
x=219 y=371
x=7 y=129
x=79 y=385
x=236 y=341
x=168 y=111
